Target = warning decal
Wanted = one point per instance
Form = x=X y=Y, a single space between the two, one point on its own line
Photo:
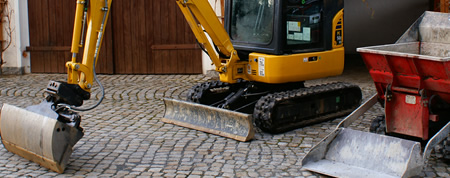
x=261 y=66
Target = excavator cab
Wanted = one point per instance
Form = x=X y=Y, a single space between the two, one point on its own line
x=295 y=40
x=283 y=26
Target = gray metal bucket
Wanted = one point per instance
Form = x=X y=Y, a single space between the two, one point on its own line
x=208 y=119
x=36 y=137
x=352 y=153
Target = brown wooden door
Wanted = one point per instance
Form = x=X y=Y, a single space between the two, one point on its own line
x=154 y=38
x=142 y=37
x=51 y=27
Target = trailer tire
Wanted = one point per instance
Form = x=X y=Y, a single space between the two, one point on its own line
x=446 y=150
x=442 y=150
x=378 y=125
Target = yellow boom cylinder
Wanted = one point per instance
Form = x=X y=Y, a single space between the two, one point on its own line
x=77 y=28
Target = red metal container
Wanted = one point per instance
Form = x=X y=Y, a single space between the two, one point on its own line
x=412 y=74
x=406 y=76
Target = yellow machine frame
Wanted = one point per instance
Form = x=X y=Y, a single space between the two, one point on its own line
x=260 y=67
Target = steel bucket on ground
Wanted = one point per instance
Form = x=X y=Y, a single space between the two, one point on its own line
x=38 y=137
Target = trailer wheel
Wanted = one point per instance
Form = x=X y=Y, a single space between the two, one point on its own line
x=442 y=150
x=446 y=150
x=378 y=125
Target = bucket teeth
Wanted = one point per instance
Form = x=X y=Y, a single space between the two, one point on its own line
x=37 y=137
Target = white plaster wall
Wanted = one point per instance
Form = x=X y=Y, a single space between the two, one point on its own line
x=9 y=56
x=15 y=57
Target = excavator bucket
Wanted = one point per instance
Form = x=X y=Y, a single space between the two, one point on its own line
x=209 y=119
x=351 y=153
x=38 y=136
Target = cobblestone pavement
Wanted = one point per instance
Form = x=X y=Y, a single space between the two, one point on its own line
x=124 y=136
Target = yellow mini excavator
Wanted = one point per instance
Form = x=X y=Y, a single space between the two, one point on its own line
x=271 y=48
x=264 y=54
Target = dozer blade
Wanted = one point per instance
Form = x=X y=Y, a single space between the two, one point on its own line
x=209 y=119
x=40 y=138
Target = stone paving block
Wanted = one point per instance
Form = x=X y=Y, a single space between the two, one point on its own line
x=124 y=136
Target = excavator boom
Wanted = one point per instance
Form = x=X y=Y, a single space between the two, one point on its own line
x=239 y=126
x=203 y=21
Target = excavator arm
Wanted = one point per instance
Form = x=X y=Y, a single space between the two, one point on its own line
x=46 y=133
x=203 y=21
x=94 y=15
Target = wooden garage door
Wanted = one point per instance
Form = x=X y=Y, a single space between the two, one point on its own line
x=154 y=38
x=142 y=37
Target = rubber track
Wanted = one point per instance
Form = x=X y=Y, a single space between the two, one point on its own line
x=265 y=107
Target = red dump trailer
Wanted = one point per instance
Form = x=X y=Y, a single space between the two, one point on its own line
x=412 y=79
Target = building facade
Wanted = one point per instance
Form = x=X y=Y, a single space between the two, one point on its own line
x=367 y=22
